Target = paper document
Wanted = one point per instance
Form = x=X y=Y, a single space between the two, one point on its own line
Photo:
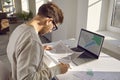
x=60 y=48
x=69 y=58
x=67 y=54
x=97 y=75
x=89 y=75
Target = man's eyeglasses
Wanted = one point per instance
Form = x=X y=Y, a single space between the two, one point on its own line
x=55 y=26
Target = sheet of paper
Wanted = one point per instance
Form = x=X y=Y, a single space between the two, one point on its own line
x=60 y=48
x=67 y=55
x=91 y=75
x=69 y=58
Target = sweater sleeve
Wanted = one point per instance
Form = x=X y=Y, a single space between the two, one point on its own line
x=30 y=66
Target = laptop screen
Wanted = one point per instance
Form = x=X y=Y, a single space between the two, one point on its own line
x=90 y=41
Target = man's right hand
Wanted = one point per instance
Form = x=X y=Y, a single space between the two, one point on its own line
x=63 y=67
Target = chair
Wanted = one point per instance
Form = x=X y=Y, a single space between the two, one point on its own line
x=4 y=72
x=4 y=23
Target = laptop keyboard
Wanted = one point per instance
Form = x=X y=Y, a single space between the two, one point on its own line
x=77 y=49
x=83 y=55
x=86 y=55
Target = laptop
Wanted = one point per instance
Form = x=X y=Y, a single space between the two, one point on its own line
x=89 y=43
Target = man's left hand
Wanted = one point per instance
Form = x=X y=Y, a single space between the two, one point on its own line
x=47 y=47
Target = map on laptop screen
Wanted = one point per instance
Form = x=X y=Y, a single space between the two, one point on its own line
x=91 y=42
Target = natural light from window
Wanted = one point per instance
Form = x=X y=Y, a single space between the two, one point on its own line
x=113 y=17
x=116 y=14
x=94 y=10
x=25 y=5
x=39 y=3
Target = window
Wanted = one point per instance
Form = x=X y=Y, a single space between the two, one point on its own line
x=94 y=10
x=115 y=22
x=114 y=16
x=39 y=3
x=25 y=5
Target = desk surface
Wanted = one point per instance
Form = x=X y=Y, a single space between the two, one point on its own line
x=105 y=63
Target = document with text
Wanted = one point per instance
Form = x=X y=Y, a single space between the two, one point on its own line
x=67 y=54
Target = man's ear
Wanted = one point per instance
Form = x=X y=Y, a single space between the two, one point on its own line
x=49 y=20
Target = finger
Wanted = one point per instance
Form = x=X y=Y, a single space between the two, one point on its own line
x=50 y=48
x=47 y=47
x=66 y=65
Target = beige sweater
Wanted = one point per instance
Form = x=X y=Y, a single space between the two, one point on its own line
x=25 y=53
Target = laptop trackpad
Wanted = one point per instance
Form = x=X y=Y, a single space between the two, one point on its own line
x=80 y=61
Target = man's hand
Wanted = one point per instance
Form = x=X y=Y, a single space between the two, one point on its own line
x=64 y=67
x=47 y=47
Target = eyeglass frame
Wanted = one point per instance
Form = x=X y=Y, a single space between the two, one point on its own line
x=55 y=26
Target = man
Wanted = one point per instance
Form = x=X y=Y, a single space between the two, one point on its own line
x=25 y=50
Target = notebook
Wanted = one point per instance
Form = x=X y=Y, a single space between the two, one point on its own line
x=89 y=43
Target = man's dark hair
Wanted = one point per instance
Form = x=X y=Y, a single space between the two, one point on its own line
x=51 y=10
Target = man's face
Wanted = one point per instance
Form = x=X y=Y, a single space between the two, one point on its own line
x=51 y=26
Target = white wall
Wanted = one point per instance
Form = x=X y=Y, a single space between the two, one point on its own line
x=77 y=13
x=67 y=29
x=75 y=17
x=18 y=6
x=32 y=6
x=82 y=9
x=97 y=15
x=104 y=15
x=109 y=27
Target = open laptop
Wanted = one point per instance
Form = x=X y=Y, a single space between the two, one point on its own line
x=89 y=43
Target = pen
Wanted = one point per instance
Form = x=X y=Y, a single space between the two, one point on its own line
x=69 y=66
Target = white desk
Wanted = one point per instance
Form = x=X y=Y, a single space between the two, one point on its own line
x=105 y=63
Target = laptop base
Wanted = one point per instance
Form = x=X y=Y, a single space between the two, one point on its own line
x=85 y=54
